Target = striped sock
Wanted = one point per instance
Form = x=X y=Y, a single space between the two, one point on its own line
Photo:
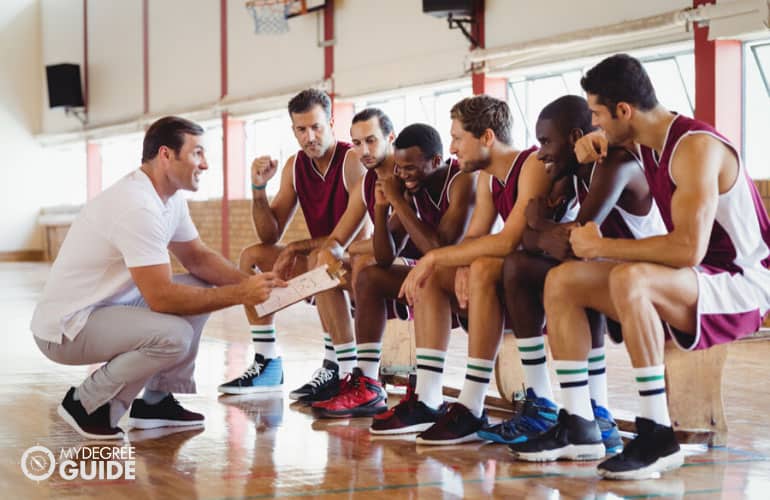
x=477 y=375
x=346 y=356
x=651 y=383
x=532 y=354
x=573 y=380
x=369 y=358
x=597 y=376
x=430 y=376
x=263 y=338
x=329 y=353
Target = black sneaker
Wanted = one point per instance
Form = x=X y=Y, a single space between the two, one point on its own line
x=534 y=417
x=652 y=451
x=324 y=384
x=93 y=426
x=409 y=415
x=167 y=413
x=457 y=425
x=264 y=375
x=572 y=438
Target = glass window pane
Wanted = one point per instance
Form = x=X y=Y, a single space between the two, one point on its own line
x=668 y=84
x=120 y=155
x=757 y=111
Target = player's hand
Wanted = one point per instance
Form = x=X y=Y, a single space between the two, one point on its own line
x=585 y=241
x=263 y=169
x=379 y=196
x=461 y=286
x=391 y=187
x=284 y=264
x=591 y=147
x=256 y=289
x=555 y=242
x=416 y=279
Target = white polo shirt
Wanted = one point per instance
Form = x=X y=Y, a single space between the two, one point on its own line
x=127 y=225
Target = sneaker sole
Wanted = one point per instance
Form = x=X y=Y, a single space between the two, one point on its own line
x=652 y=471
x=575 y=452
x=250 y=390
x=411 y=429
x=154 y=423
x=465 y=439
x=64 y=414
x=495 y=438
x=352 y=413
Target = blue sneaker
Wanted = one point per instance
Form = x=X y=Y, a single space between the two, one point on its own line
x=610 y=435
x=264 y=375
x=536 y=416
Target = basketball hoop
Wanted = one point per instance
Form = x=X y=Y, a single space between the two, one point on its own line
x=271 y=17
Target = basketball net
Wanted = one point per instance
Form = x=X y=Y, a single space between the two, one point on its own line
x=270 y=16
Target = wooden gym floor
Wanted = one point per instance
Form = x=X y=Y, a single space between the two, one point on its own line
x=263 y=446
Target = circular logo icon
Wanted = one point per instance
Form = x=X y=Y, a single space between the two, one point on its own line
x=37 y=463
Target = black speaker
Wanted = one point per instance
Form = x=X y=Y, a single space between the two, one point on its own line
x=442 y=8
x=64 y=85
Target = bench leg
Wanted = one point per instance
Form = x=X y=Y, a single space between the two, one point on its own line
x=398 y=349
x=694 y=388
x=509 y=374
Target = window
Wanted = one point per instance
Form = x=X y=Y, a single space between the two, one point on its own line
x=756 y=126
x=120 y=155
x=269 y=135
x=211 y=181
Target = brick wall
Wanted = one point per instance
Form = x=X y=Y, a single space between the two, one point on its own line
x=207 y=216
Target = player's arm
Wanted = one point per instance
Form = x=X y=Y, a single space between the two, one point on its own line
x=271 y=219
x=484 y=213
x=385 y=249
x=609 y=181
x=533 y=182
x=349 y=225
x=695 y=168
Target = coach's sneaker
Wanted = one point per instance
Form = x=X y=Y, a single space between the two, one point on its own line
x=323 y=385
x=264 y=375
x=572 y=438
x=535 y=416
x=167 y=413
x=610 y=436
x=652 y=451
x=361 y=396
x=457 y=425
x=409 y=415
x=93 y=426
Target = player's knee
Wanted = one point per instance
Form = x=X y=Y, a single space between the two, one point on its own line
x=557 y=284
x=515 y=270
x=628 y=283
x=254 y=255
x=484 y=271
x=368 y=280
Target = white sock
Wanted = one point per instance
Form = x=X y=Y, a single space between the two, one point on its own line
x=153 y=397
x=477 y=376
x=346 y=356
x=573 y=380
x=329 y=353
x=263 y=338
x=651 y=382
x=597 y=376
x=430 y=376
x=369 y=358
x=532 y=353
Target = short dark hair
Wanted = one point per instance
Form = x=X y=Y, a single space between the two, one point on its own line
x=423 y=136
x=568 y=112
x=620 y=78
x=305 y=100
x=386 y=126
x=168 y=131
x=482 y=112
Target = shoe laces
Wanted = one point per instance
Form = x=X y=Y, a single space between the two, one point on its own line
x=253 y=371
x=409 y=401
x=320 y=377
x=521 y=421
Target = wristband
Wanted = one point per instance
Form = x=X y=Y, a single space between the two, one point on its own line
x=258 y=188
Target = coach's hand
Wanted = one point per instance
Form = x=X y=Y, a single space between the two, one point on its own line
x=591 y=147
x=585 y=241
x=263 y=169
x=256 y=289
x=416 y=279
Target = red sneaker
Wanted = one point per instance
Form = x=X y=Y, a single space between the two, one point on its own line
x=359 y=396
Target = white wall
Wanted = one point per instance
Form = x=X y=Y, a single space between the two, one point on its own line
x=29 y=178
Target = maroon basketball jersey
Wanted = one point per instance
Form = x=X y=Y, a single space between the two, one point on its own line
x=504 y=193
x=323 y=198
x=740 y=235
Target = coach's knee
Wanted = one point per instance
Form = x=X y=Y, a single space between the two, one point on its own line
x=170 y=339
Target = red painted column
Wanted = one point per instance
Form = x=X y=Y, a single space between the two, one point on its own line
x=496 y=87
x=93 y=169
x=226 y=153
x=719 y=82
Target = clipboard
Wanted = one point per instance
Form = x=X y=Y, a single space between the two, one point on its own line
x=301 y=287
